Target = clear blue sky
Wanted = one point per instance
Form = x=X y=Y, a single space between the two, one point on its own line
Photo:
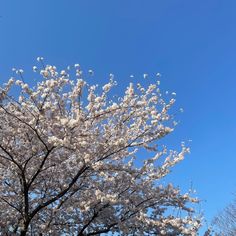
x=191 y=42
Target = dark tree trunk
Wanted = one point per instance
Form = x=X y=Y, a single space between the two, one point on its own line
x=25 y=230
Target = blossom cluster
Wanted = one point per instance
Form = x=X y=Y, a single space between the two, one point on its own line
x=70 y=159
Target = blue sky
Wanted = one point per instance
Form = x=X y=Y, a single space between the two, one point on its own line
x=191 y=43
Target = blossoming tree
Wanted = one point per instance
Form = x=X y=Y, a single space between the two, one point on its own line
x=70 y=160
x=224 y=222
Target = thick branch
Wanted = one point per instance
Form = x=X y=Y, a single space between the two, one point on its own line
x=40 y=167
x=60 y=194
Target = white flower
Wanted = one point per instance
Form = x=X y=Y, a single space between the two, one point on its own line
x=111 y=76
x=35 y=68
x=154 y=122
x=63 y=72
x=18 y=82
x=20 y=99
x=53 y=140
x=114 y=106
x=44 y=73
x=64 y=121
x=25 y=86
x=83 y=143
x=106 y=87
x=11 y=80
x=145 y=76
x=91 y=72
x=39 y=59
x=98 y=99
x=153 y=112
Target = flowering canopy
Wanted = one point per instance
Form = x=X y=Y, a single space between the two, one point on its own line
x=70 y=161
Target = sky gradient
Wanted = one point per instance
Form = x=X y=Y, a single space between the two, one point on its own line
x=191 y=43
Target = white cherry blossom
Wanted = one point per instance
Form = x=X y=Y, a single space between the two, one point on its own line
x=75 y=161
